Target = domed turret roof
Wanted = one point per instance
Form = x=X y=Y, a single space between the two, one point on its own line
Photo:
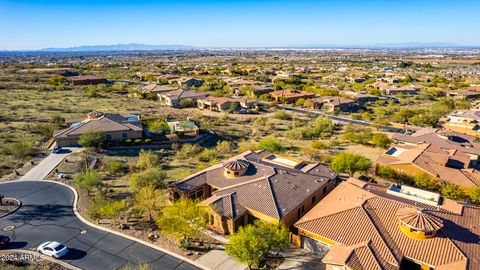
x=419 y=219
x=94 y=115
x=237 y=165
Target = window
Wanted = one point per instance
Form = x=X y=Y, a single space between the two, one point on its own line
x=298 y=213
x=314 y=198
x=303 y=208
x=236 y=173
x=324 y=190
x=124 y=135
x=109 y=137
x=212 y=220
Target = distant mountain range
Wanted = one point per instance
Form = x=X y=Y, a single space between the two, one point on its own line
x=119 y=47
x=179 y=47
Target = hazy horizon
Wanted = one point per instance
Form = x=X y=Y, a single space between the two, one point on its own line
x=34 y=25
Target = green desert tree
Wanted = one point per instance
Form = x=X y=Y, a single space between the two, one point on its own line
x=22 y=150
x=183 y=220
x=224 y=147
x=350 y=163
x=253 y=242
x=87 y=180
x=149 y=177
x=148 y=199
x=112 y=209
x=426 y=181
x=95 y=139
x=454 y=192
x=271 y=144
x=147 y=159
x=380 y=140
x=474 y=194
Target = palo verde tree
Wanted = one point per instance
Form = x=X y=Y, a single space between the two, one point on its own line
x=184 y=220
x=148 y=199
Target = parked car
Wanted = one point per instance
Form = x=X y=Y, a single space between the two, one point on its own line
x=53 y=249
x=4 y=240
x=56 y=149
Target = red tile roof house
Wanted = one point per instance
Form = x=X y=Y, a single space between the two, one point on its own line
x=88 y=80
x=155 y=88
x=173 y=98
x=448 y=165
x=362 y=225
x=331 y=104
x=445 y=139
x=188 y=82
x=290 y=96
x=256 y=185
x=401 y=90
x=117 y=127
x=222 y=104
x=466 y=94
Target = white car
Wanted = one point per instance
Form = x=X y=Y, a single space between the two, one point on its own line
x=53 y=248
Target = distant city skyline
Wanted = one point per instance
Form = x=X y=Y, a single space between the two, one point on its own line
x=38 y=24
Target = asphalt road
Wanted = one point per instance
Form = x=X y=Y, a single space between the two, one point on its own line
x=341 y=120
x=46 y=214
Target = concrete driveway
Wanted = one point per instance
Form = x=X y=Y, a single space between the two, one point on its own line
x=42 y=169
x=219 y=260
x=46 y=214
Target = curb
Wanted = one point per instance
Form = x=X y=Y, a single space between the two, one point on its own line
x=18 y=206
x=82 y=219
x=48 y=258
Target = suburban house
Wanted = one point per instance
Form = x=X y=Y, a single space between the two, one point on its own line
x=380 y=85
x=187 y=82
x=363 y=225
x=256 y=185
x=154 y=88
x=401 y=90
x=466 y=94
x=445 y=139
x=221 y=104
x=463 y=121
x=115 y=126
x=332 y=103
x=173 y=98
x=447 y=165
x=185 y=127
x=290 y=96
x=88 y=80
x=257 y=90
x=359 y=97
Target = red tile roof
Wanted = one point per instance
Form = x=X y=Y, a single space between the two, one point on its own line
x=365 y=214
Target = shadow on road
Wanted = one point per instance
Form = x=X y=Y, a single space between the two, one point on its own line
x=15 y=245
x=47 y=212
x=74 y=254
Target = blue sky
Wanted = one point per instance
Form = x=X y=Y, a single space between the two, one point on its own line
x=29 y=24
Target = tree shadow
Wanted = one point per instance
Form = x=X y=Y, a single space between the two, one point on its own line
x=74 y=254
x=15 y=245
x=46 y=212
